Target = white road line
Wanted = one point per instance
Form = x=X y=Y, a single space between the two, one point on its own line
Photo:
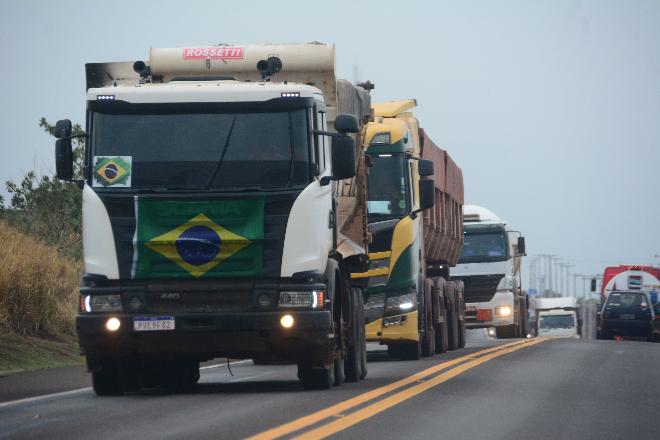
x=44 y=397
x=81 y=390
x=224 y=364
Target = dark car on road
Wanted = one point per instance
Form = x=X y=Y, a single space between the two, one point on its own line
x=627 y=314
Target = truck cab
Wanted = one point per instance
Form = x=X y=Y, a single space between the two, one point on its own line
x=211 y=224
x=410 y=303
x=489 y=266
x=557 y=317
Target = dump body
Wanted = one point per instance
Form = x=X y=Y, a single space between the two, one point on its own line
x=443 y=223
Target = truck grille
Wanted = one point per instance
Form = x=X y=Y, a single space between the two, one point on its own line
x=479 y=288
x=199 y=302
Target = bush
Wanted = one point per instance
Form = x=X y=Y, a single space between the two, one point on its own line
x=38 y=286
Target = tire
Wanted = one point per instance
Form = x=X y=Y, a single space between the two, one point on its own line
x=460 y=311
x=441 y=328
x=428 y=338
x=316 y=378
x=355 y=342
x=506 y=331
x=340 y=375
x=452 y=317
x=394 y=351
x=191 y=373
x=363 y=335
x=411 y=351
x=107 y=378
x=524 y=310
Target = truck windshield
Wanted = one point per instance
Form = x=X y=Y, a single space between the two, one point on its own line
x=483 y=245
x=205 y=150
x=556 y=321
x=386 y=187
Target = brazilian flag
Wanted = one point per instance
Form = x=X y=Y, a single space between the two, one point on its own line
x=183 y=239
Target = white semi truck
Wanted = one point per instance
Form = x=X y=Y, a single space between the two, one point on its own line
x=223 y=212
x=557 y=317
x=489 y=266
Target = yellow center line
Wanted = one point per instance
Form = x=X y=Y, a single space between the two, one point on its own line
x=381 y=405
x=339 y=408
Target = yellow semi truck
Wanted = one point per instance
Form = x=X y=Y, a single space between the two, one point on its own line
x=414 y=203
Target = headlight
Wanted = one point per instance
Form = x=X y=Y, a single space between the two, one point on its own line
x=102 y=303
x=395 y=305
x=503 y=311
x=312 y=299
x=506 y=283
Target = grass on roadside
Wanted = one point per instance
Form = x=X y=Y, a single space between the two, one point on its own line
x=27 y=353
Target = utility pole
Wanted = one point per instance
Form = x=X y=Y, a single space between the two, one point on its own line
x=575 y=277
x=567 y=266
x=557 y=275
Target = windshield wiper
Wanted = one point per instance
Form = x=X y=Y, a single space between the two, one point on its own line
x=224 y=151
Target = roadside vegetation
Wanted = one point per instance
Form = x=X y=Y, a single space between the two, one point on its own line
x=40 y=251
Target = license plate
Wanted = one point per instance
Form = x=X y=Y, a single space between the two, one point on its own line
x=153 y=323
x=627 y=316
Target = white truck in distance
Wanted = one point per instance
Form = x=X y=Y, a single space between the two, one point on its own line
x=489 y=267
x=558 y=317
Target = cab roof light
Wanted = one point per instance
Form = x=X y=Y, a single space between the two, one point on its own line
x=105 y=97
x=290 y=94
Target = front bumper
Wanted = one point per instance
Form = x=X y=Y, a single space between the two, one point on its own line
x=399 y=328
x=628 y=327
x=239 y=335
x=502 y=298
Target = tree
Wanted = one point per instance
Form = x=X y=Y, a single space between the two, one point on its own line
x=48 y=208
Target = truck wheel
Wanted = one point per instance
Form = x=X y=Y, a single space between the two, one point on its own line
x=191 y=373
x=107 y=379
x=460 y=312
x=506 y=331
x=441 y=328
x=340 y=375
x=461 y=333
x=394 y=351
x=316 y=378
x=428 y=339
x=524 y=311
x=411 y=351
x=362 y=339
x=355 y=342
x=452 y=317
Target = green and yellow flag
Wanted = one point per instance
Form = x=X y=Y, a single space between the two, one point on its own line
x=182 y=239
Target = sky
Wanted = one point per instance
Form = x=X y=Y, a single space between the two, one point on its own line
x=551 y=108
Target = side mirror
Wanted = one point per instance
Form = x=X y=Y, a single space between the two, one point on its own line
x=425 y=167
x=343 y=157
x=63 y=159
x=426 y=194
x=521 y=245
x=593 y=285
x=346 y=123
x=63 y=129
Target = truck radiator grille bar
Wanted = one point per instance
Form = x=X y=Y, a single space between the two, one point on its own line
x=479 y=288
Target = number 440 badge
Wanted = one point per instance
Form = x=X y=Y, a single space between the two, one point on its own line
x=112 y=171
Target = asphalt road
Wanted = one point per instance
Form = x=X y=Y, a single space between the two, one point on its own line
x=526 y=389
